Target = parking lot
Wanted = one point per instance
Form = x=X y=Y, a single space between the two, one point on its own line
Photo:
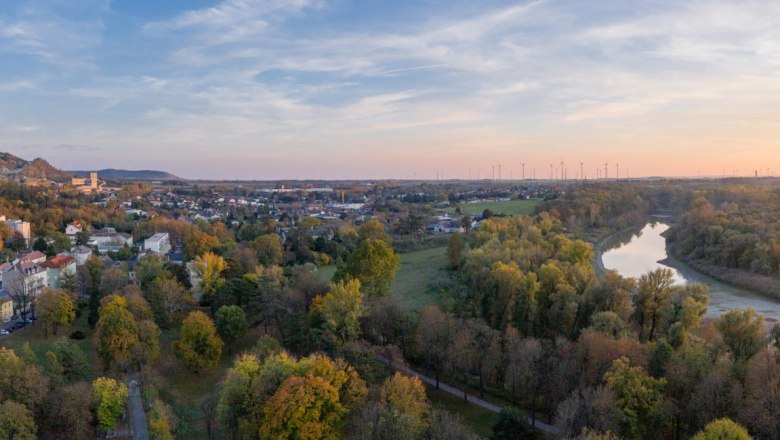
x=15 y=325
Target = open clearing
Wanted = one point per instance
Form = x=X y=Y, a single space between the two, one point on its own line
x=509 y=207
x=412 y=281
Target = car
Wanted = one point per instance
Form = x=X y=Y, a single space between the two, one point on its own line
x=4 y=332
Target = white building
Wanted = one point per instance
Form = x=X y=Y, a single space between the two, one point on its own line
x=109 y=241
x=159 y=243
x=19 y=226
x=81 y=254
x=27 y=279
x=72 y=230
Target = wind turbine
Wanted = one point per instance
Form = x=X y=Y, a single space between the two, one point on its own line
x=617 y=171
x=582 y=173
x=606 y=174
x=523 y=170
x=551 y=171
x=562 y=177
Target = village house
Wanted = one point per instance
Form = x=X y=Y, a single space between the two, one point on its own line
x=108 y=240
x=56 y=267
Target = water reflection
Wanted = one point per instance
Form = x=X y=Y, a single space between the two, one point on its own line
x=636 y=252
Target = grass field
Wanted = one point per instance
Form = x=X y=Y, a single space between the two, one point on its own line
x=480 y=420
x=510 y=207
x=418 y=269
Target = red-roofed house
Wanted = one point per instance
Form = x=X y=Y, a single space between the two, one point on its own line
x=57 y=266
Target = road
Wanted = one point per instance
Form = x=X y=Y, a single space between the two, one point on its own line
x=549 y=429
x=137 y=416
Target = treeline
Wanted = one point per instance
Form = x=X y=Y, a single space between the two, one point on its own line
x=737 y=227
x=617 y=356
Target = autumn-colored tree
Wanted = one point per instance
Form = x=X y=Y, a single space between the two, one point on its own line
x=162 y=421
x=110 y=397
x=335 y=316
x=742 y=331
x=209 y=268
x=305 y=408
x=116 y=333
x=723 y=429
x=55 y=308
x=527 y=370
x=406 y=396
x=230 y=322
x=197 y=243
x=374 y=263
x=74 y=417
x=16 y=421
x=373 y=230
x=21 y=381
x=198 y=346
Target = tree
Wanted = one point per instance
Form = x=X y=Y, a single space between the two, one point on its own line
x=23 y=291
x=373 y=230
x=527 y=370
x=162 y=421
x=512 y=425
x=335 y=316
x=68 y=360
x=21 y=381
x=742 y=331
x=110 y=397
x=55 y=307
x=435 y=334
x=455 y=250
x=40 y=245
x=16 y=422
x=445 y=425
x=405 y=396
x=231 y=325
x=198 y=346
x=374 y=264
x=723 y=429
x=652 y=301
x=639 y=397
x=116 y=333
x=69 y=282
x=197 y=243
x=209 y=268
x=113 y=280
x=74 y=416
x=268 y=249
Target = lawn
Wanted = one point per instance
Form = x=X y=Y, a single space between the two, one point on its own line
x=510 y=207
x=411 y=285
x=480 y=420
x=325 y=273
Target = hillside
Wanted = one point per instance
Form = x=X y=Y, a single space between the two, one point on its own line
x=14 y=167
x=114 y=174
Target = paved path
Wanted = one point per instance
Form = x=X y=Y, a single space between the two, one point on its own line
x=549 y=429
x=137 y=416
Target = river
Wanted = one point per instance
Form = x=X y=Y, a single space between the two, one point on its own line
x=635 y=253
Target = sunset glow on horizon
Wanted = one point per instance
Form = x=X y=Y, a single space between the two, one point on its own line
x=343 y=89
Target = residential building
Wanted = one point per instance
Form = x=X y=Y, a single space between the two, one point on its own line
x=25 y=279
x=110 y=241
x=159 y=243
x=72 y=230
x=6 y=306
x=34 y=257
x=81 y=254
x=57 y=267
x=19 y=226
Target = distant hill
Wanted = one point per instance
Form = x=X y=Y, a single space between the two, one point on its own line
x=12 y=167
x=114 y=174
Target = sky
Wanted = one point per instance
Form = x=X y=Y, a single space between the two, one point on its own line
x=342 y=89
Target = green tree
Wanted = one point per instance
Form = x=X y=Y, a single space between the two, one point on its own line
x=722 y=429
x=55 y=308
x=110 y=397
x=21 y=381
x=374 y=264
x=16 y=422
x=513 y=425
x=40 y=245
x=653 y=302
x=335 y=316
x=455 y=250
x=268 y=249
x=639 y=397
x=742 y=331
x=231 y=325
x=198 y=346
